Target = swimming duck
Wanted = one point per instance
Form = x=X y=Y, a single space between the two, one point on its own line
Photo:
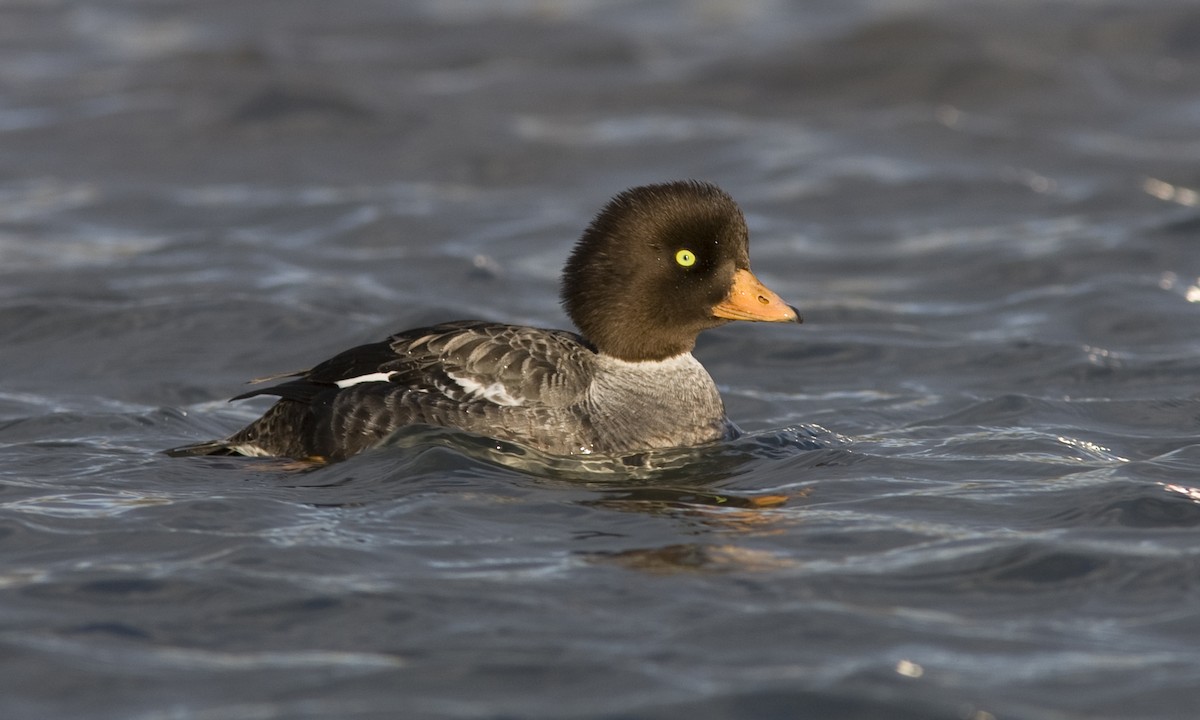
x=657 y=266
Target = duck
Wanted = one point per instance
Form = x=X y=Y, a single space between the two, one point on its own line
x=657 y=266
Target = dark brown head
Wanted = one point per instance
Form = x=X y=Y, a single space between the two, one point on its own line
x=660 y=264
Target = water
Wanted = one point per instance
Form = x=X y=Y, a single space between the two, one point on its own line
x=968 y=488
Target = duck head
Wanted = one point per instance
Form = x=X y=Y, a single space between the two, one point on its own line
x=660 y=264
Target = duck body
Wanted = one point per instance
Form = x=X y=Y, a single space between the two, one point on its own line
x=660 y=264
x=543 y=388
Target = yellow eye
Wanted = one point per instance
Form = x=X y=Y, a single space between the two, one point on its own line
x=686 y=258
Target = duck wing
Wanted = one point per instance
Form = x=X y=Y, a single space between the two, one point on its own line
x=459 y=362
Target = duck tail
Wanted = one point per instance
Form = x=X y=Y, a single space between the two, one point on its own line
x=212 y=447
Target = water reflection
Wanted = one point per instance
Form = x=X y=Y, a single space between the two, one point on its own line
x=693 y=465
x=690 y=487
x=694 y=558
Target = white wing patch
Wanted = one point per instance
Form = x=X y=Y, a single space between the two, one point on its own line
x=369 y=377
x=495 y=392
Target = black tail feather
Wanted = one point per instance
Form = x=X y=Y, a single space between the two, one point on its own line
x=212 y=447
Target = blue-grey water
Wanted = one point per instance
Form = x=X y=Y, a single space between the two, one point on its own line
x=968 y=488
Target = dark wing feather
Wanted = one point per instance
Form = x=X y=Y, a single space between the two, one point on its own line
x=462 y=362
x=473 y=361
x=513 y=382
x=355 y=362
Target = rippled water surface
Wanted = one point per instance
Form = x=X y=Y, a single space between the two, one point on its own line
x=968 y=488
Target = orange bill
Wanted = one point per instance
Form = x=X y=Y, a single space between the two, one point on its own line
x=749 y=299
